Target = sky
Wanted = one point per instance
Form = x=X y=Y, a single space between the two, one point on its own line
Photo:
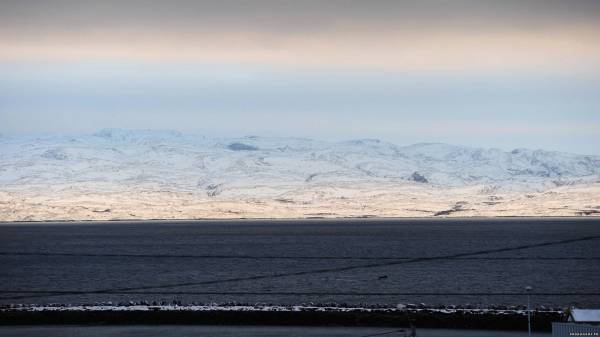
x=506 y=74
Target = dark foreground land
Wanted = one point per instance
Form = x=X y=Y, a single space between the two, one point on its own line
x=236 y=331
x=462 y=263
x=491 y=320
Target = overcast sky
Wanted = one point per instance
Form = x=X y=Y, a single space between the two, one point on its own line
x=482 y=73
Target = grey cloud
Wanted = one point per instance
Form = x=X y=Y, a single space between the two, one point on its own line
x=289 y=16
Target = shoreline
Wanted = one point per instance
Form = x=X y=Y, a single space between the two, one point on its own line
x=448 y=318
x=305 y=219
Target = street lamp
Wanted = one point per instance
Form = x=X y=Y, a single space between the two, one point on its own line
x=528 y=290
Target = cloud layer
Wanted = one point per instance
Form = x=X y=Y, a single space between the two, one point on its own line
x=490 y=73
x=404 y=35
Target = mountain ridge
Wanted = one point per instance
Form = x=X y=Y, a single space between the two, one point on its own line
x=438 y=163
x=165 y=174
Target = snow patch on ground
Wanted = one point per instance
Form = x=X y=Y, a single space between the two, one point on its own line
x=272 y=308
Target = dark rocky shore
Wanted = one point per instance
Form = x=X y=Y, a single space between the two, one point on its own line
x=450 y=318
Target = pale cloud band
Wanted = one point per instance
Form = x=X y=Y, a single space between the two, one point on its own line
x=400 y=35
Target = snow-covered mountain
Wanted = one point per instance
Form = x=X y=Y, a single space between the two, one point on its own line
x=258 y=168
x=171 y=159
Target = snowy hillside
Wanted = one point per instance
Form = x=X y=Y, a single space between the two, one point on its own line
x=90 y=170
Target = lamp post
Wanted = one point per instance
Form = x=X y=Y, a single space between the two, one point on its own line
x=528 y=290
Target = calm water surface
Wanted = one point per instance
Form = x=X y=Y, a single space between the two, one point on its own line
x=476 y=261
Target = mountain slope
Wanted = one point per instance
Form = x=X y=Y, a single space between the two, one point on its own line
x=87 y=170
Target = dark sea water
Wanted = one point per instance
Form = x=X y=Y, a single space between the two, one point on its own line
x=360 y=261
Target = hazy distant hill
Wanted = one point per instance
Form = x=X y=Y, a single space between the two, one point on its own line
x=286 y=171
